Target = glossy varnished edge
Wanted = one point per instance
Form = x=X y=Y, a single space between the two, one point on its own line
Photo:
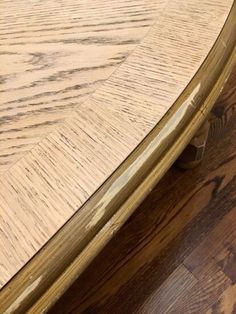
x=49 y=273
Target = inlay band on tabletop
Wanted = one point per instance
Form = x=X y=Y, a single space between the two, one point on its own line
x=54 y=54
x=41 y=191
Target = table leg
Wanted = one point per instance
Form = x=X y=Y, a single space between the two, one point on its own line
x=219 y=117
x=194 y=152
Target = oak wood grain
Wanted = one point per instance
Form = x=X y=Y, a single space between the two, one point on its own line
x=54 y=178
x=226 y=303
x=172 y=289
x=202 y=295
x=54 y=55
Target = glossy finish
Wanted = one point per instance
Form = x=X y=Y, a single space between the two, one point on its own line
x=69 y=252
x=177 y=253
x=55 y=178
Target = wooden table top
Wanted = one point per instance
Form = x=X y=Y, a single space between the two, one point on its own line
x=83 y=82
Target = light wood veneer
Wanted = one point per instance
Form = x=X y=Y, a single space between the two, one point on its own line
x=54 y=55
x=76 y=136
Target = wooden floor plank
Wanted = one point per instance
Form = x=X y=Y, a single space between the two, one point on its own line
x=226 y=259
x=214 y=243
x=226 y=304
x=202 y=295
x=172 y=289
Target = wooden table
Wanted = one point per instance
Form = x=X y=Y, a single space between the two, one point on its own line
x=98 y=99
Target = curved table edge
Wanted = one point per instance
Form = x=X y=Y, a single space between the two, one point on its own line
x=35 y=291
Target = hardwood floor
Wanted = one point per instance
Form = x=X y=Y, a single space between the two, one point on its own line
x=177 y=253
